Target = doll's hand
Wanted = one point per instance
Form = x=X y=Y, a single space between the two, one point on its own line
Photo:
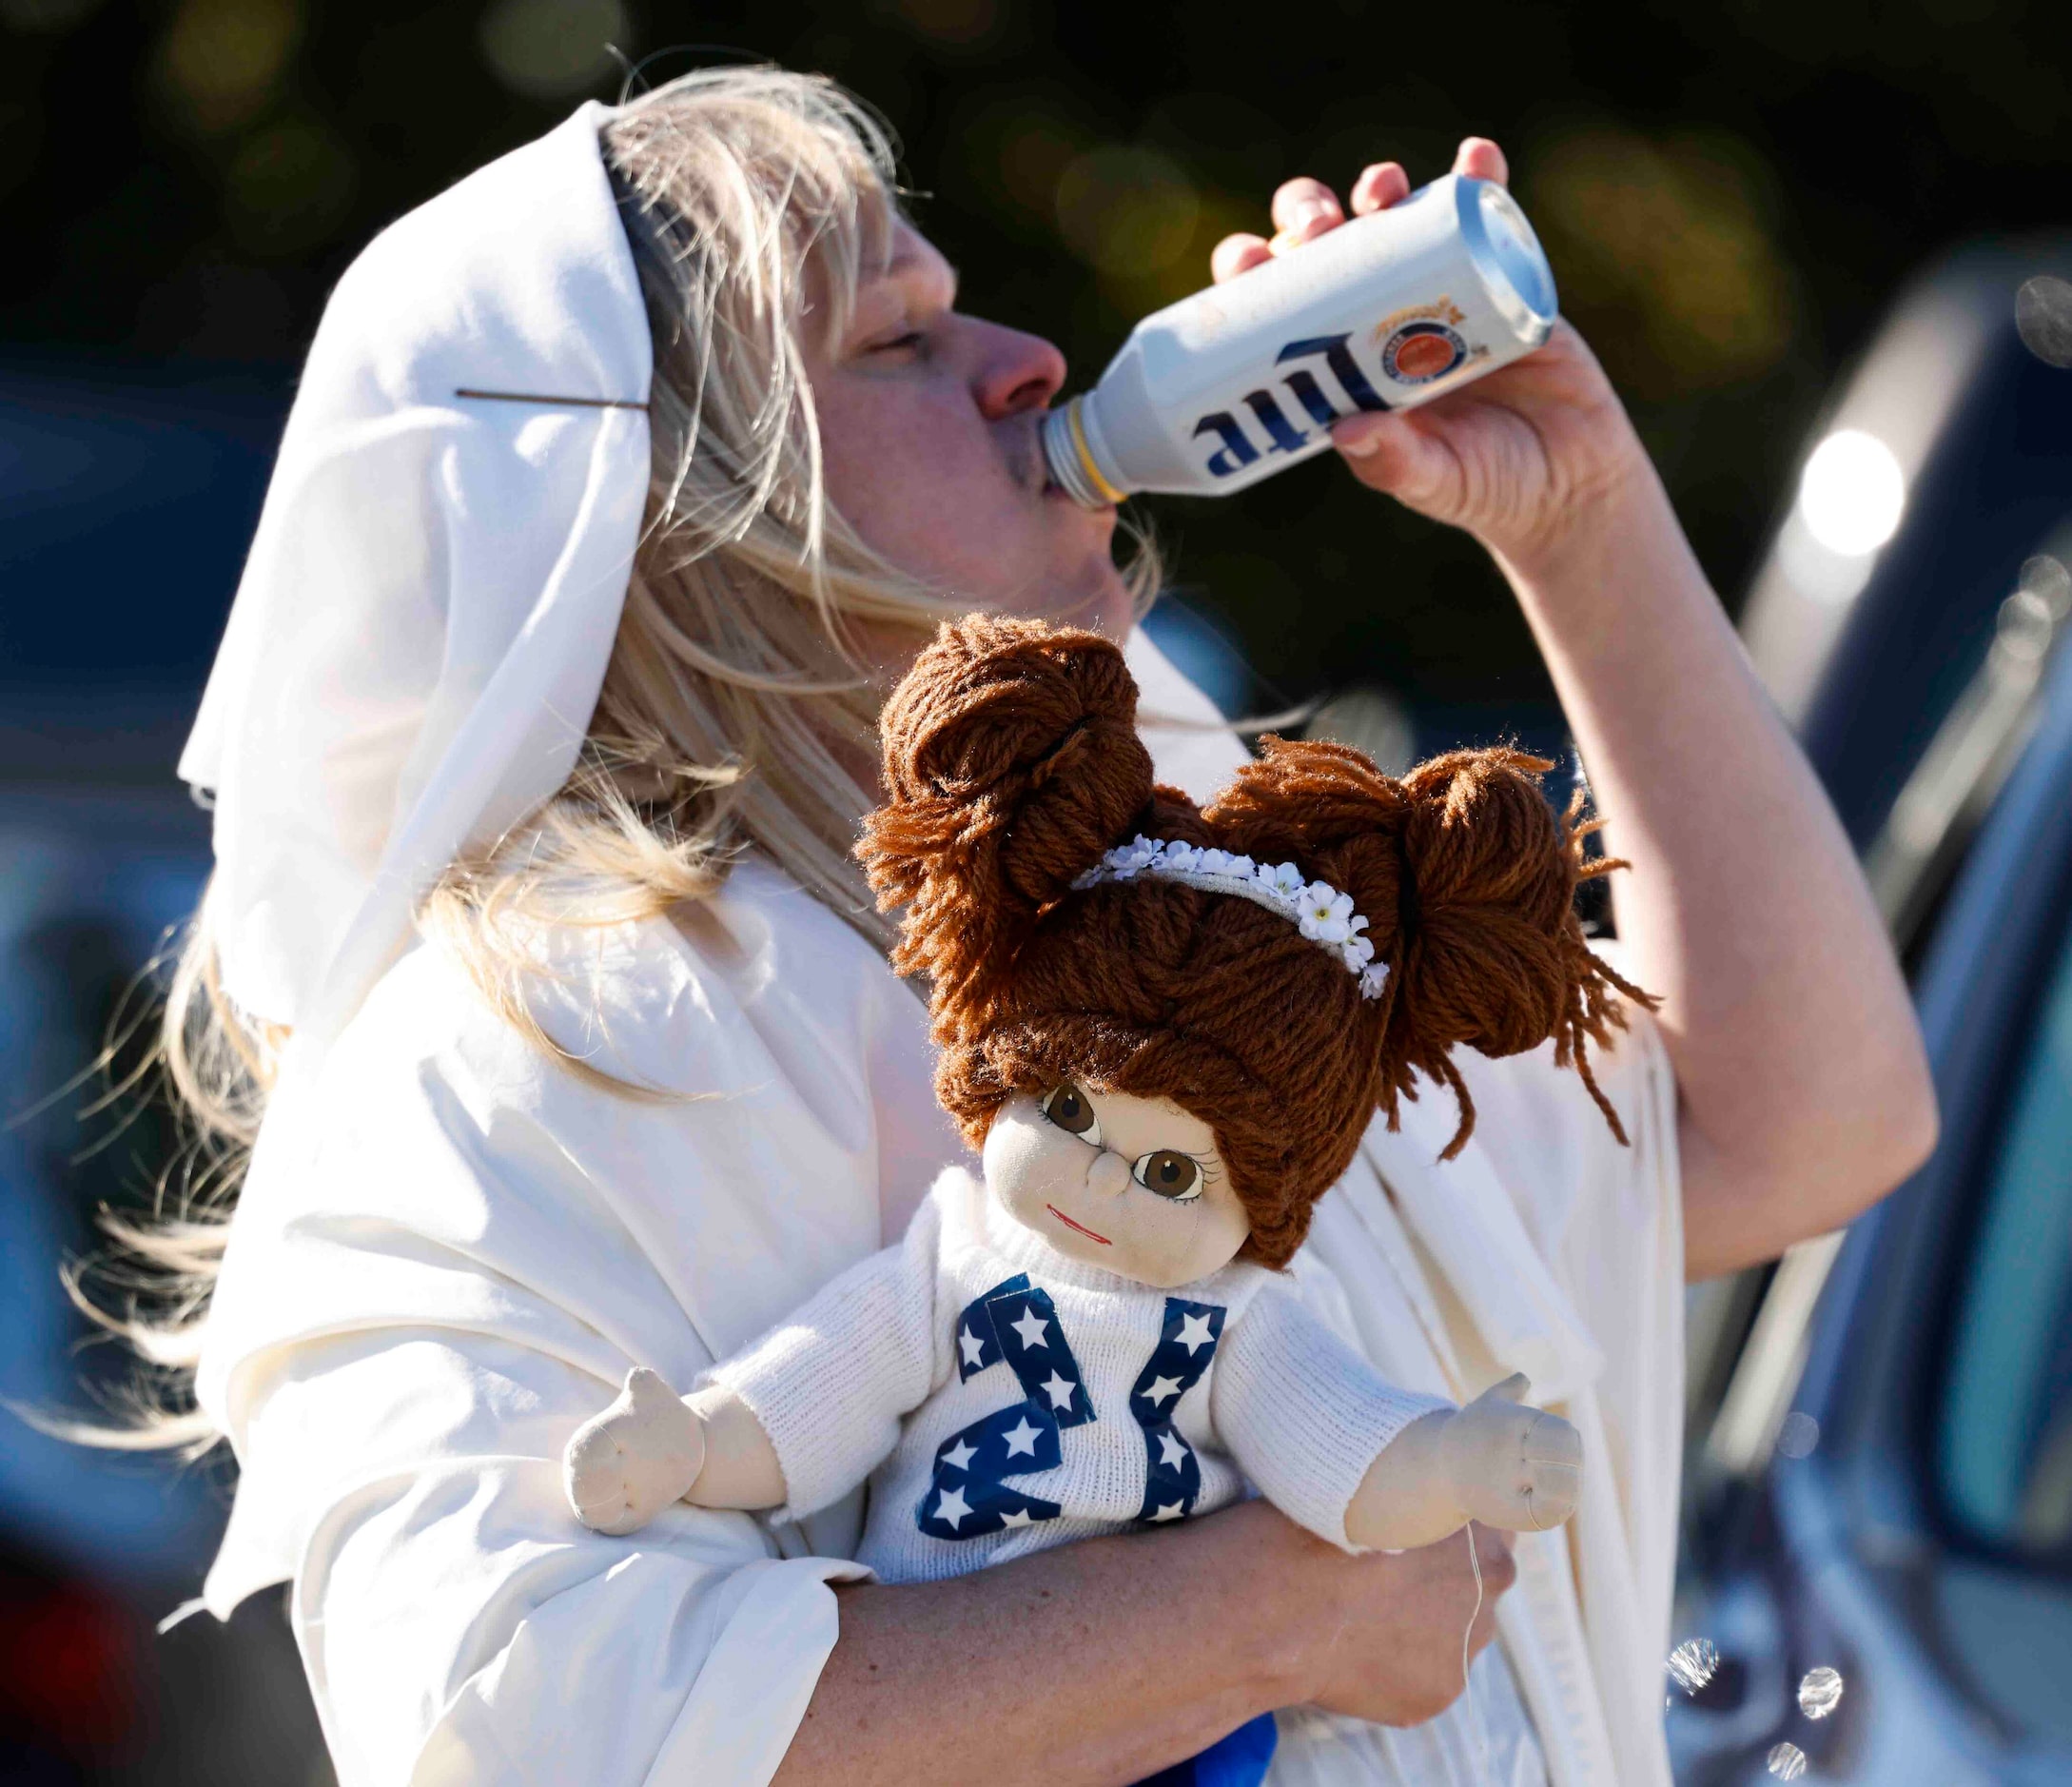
x=1510 y=1466
x=624 y=1466
x=1493 y=1461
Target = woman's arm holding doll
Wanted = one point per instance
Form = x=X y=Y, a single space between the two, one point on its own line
x=1805 y=1091
x=1113 y=1657
x=1200 y=1626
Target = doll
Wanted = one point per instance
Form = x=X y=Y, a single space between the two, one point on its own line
x=1163 y=1029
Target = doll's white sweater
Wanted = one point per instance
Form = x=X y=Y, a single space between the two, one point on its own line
x=1004 y=1397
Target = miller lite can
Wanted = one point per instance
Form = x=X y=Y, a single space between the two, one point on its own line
x=1238 y=381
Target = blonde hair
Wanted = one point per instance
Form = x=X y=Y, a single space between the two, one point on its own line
x=736 y=706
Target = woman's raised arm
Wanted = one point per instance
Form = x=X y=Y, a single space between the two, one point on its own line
x=1803 y=1087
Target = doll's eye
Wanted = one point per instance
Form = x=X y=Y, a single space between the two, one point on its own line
x=1068 y=1108
x=1171 y=1173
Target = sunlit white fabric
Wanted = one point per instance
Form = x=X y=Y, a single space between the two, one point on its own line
x=425 y=618
x=451 y=1251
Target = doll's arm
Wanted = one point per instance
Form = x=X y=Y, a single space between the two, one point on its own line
x=1302 y=1414
x=1494 y=1460
x=1370 y=1467
x=793 y=1423
x=652 y=1448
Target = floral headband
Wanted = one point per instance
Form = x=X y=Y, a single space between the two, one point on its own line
x=1323 y=914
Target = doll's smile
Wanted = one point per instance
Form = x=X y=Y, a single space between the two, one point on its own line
x=1133 y=1185
x=1081 y=1226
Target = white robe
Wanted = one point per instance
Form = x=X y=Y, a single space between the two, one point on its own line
x=450 y=1249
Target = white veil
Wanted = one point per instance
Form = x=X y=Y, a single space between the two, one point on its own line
x=424 y=620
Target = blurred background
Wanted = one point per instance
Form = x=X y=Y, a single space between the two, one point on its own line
x=1822 y=249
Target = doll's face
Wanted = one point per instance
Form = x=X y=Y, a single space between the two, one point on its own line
x=1132 y=1184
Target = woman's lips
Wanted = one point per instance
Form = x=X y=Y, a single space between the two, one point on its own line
x=1081 y=1226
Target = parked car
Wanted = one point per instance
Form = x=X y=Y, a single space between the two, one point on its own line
x=126 y=497
x=1881 y=1472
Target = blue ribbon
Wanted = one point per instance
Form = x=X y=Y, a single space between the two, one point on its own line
x=967 y=1496
x=1187 y=1340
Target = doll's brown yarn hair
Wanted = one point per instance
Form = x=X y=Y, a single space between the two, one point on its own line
x=1012 y=763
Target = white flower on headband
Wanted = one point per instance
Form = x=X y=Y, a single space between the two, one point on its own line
x=1324 y=915
x=1317 y=909
x=1125 y=863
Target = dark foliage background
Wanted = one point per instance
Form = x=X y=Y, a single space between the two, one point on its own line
x=1729 y=192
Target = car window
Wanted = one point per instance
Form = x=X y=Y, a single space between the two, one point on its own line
x=80 y=913
x=2004 y=1453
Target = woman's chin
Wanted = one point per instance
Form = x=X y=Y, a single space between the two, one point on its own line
x=1099 y=604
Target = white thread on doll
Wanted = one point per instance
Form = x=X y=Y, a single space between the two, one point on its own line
x=1320 y=911
x=1467 y=1639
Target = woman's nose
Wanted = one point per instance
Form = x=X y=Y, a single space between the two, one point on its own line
x=1016 y=372
x=1109 y=1176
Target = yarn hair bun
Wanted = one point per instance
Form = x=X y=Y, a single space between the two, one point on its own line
x=1477 y=877
x=1012 y=761
x=1012 y=765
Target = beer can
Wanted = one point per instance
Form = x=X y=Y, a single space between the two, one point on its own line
x=1240 y=380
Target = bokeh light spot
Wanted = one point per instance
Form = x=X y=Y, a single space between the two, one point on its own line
x=2049 y=580
x=1819 y=1692
x=1693 y=1663
x=1787 y=1761
x=288 y=188
x=963 y=23
x=1033 y=157
x=37 y=16
x=1126 y=210
x=2044 y=590
x=221 y=61
x=550 y=49
x=2043 y=319
x=1665 y=255
x=1852 y=493
x=1797 y=1435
